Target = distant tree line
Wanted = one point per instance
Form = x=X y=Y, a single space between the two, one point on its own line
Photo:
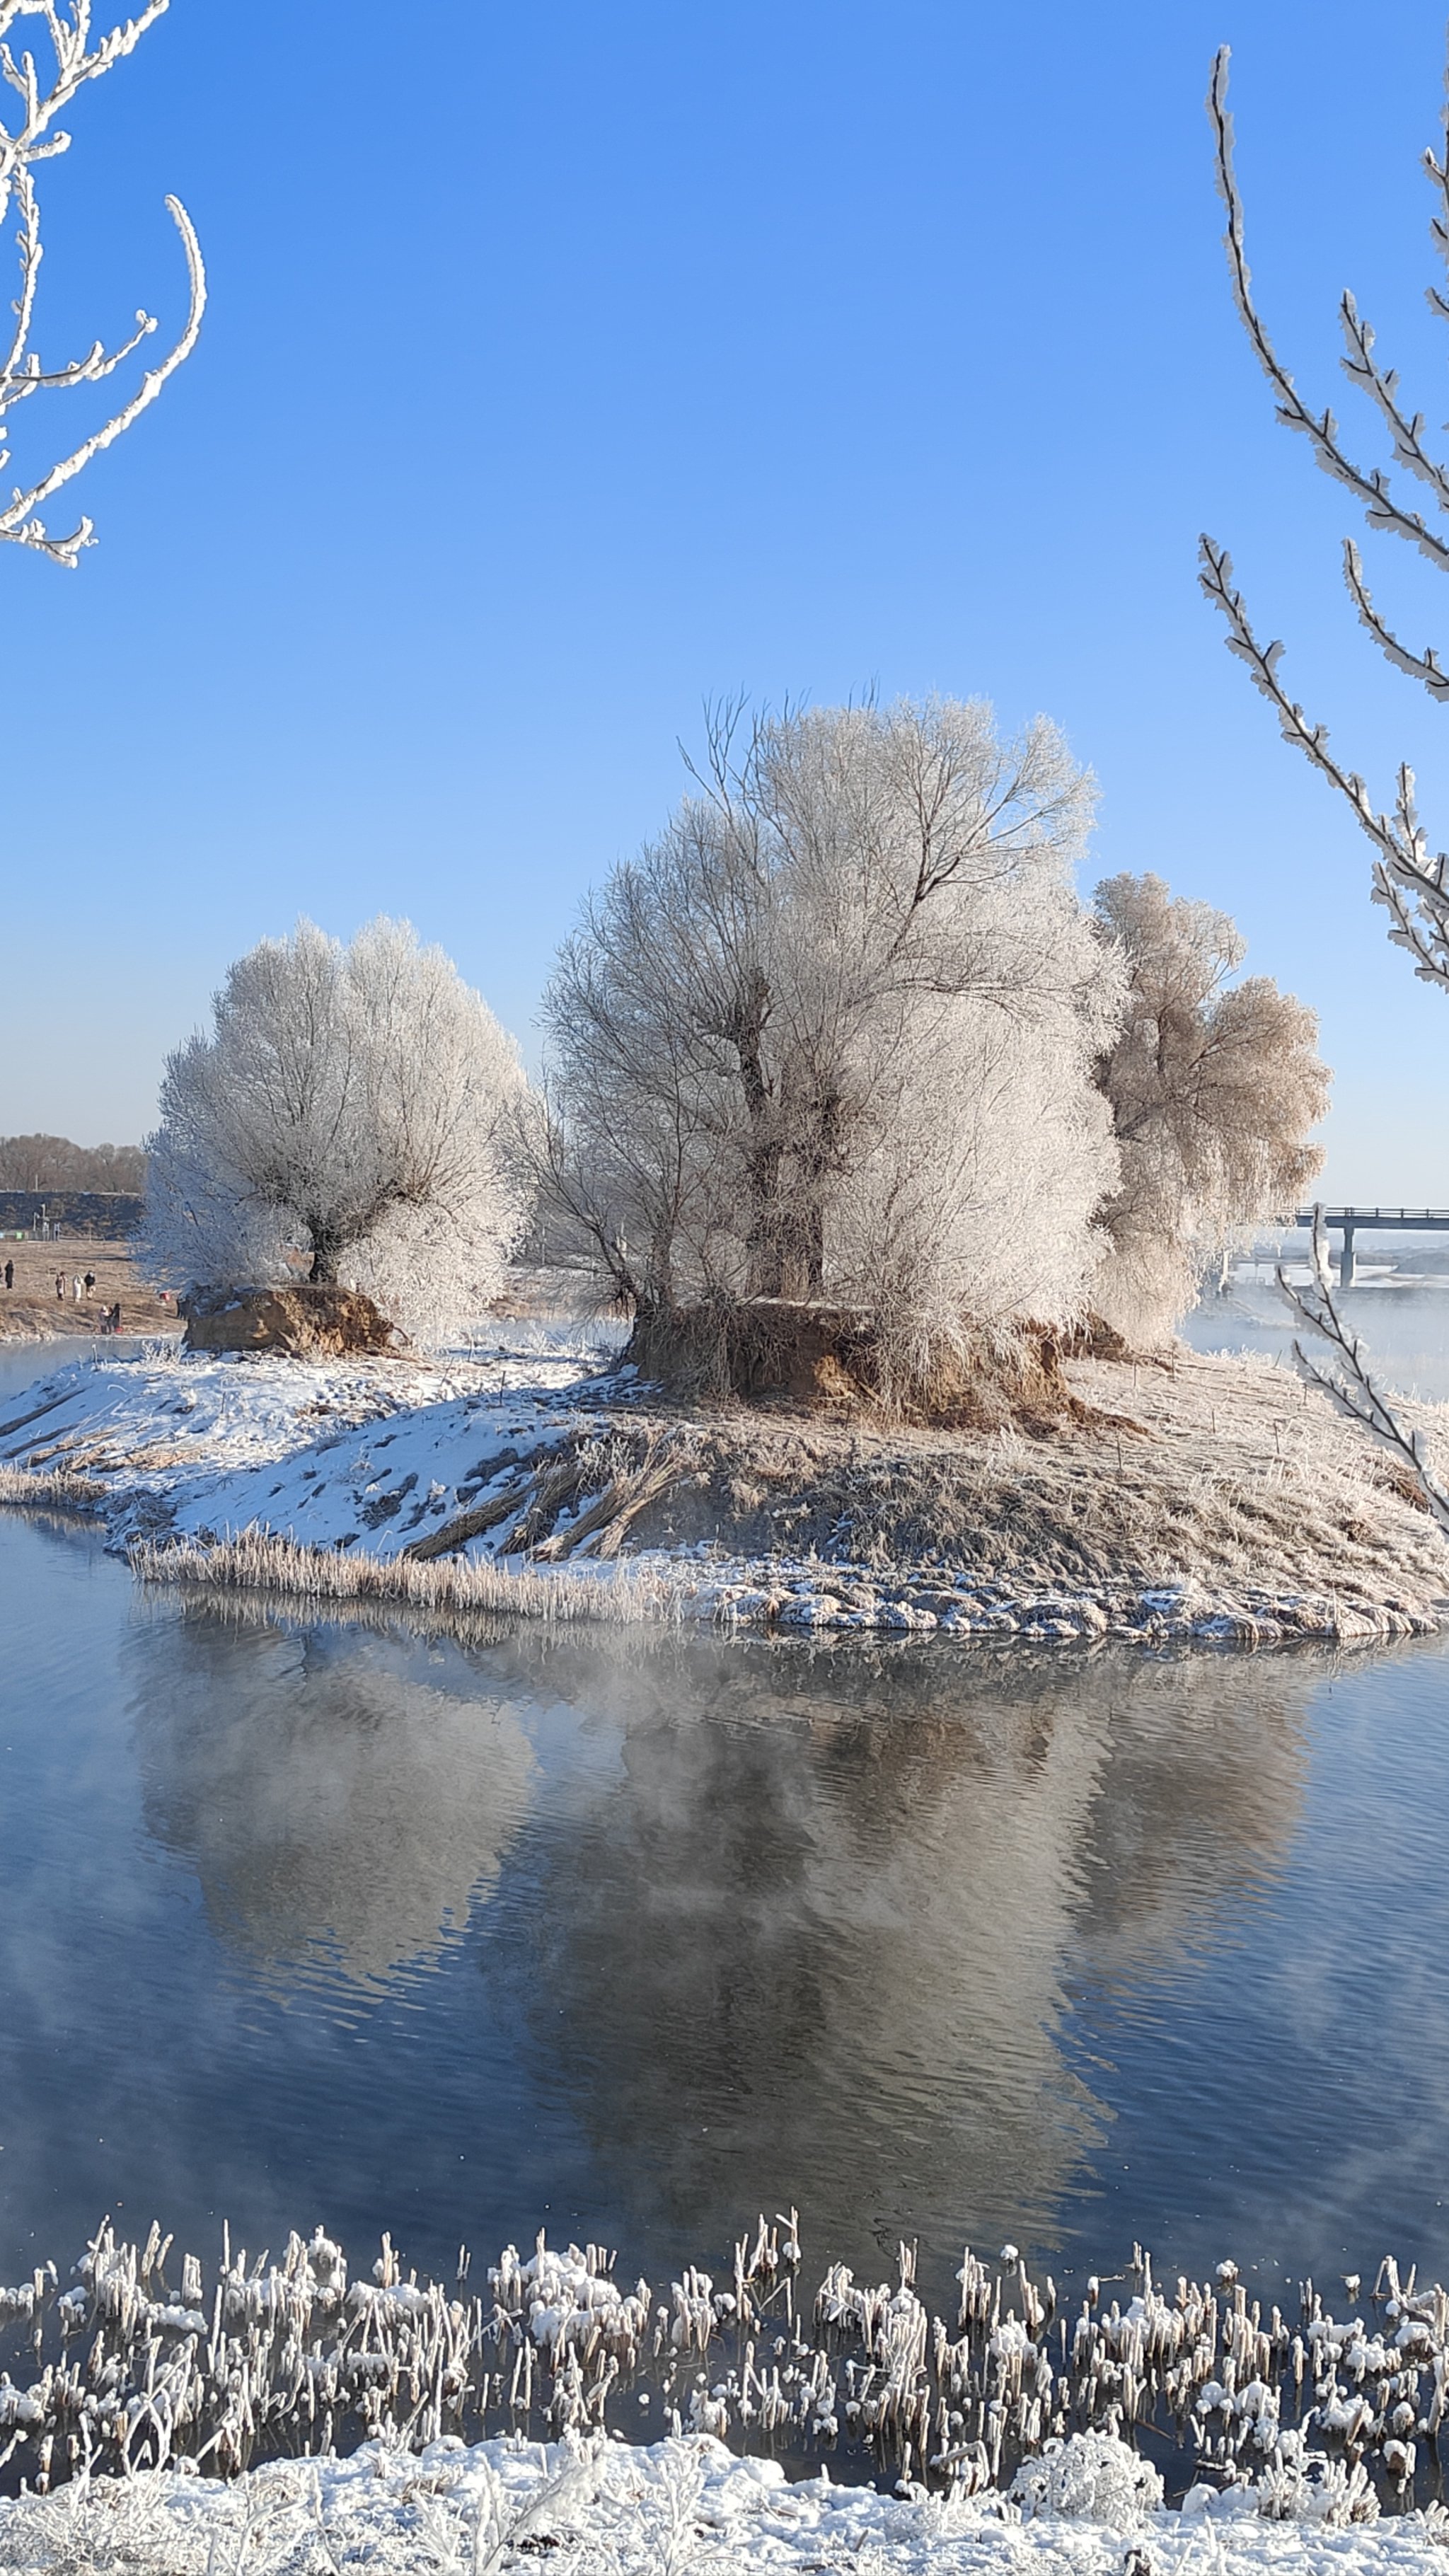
x=54 y=1163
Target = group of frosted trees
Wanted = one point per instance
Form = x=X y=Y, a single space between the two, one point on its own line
x=843 y=1039
x=845 y=1033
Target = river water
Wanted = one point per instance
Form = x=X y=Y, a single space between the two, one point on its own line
x=631 y=1937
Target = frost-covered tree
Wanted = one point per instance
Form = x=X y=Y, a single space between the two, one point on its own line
x=357 y=1106
x=829 y=1038
x=1409 y=878
x=1213 y=1084
x=30 y=137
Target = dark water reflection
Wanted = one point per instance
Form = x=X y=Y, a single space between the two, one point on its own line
x=635 y=1936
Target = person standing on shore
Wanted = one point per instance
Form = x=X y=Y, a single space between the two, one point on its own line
x=9 y=1274
x=60 y=1286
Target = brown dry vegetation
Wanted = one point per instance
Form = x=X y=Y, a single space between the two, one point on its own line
x=1225 y=1473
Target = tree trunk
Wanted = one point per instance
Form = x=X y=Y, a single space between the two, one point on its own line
x=765 y=1248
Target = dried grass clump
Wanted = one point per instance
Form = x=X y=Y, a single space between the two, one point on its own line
x=1219 y=1473
x=255 y=1561
x=581 y=1500
x=58 y=1488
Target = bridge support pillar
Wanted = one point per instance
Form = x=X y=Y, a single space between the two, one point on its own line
x=1346 y=1259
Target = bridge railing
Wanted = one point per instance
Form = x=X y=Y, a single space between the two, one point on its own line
x=1371 y=1216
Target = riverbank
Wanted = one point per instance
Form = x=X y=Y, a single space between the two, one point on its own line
x=1212 y=1498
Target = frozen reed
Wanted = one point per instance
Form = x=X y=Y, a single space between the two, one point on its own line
x=255 y=1561
x=58 y=1487
x=135 y=2369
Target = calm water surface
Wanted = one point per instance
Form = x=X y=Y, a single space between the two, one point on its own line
x=632 y=1936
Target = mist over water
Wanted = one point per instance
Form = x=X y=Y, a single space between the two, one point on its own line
x=631 y=1936
x=1399 y=1309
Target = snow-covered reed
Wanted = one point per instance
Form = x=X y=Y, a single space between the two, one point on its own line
x=257 y=1562
x=134 y=2369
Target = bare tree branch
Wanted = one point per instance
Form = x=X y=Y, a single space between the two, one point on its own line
x=1412 y=885
x=1402 y=866
x=1424 y=667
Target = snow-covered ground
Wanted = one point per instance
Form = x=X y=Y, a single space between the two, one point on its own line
x=684 y=2507
x=327 y=1453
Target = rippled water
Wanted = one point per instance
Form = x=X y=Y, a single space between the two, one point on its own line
x=633 y=1936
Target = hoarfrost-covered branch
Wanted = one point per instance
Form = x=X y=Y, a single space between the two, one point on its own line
x=1413 y=886
x=1347 y=1379
x=1321 y=428
x=36 y=137
x=1407 y=880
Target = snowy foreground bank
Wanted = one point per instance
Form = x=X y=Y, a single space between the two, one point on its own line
x=1215 y=1499
x=680 y=2505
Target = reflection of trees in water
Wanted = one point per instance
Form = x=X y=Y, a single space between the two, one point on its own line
x=789 y=1922
x=813 y=1940
x=334 y=1799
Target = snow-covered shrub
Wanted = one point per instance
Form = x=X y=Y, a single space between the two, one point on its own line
x=1091 y=2477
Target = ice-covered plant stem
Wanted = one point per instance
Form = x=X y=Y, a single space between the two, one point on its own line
x=31 y=137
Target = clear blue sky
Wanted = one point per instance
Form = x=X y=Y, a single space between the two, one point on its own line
x=566 y=366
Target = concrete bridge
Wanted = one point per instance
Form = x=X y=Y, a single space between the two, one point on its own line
x=1353 y=1221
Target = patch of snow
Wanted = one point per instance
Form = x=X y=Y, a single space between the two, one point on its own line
x=681 y=2505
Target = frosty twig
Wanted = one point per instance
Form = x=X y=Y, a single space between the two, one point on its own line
x=36 y=137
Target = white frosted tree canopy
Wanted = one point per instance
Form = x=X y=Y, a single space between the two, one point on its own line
x=353 y=1119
